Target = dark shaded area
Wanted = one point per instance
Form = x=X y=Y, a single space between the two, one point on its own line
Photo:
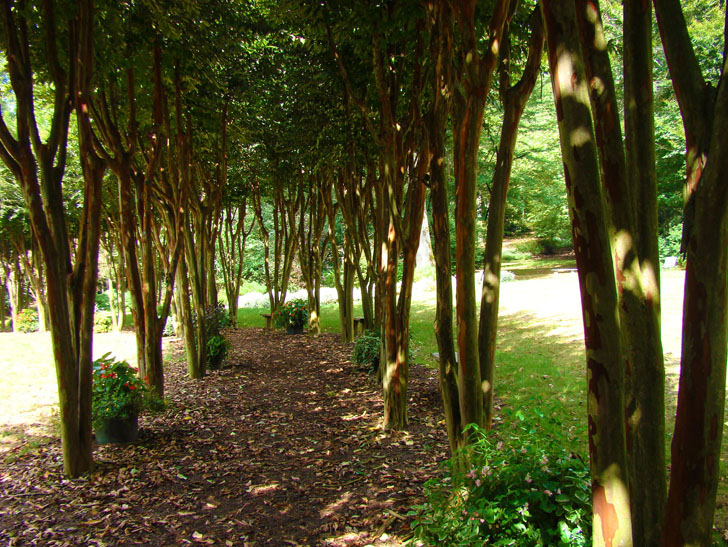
x=281 y=447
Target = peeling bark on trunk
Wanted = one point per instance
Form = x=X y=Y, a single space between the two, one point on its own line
x=630 y=189
x=605 y=373
x=344 y=266
x=701 y=396
x=138 y=210
x=474 y=76
x=39 y=168
x=286 y=205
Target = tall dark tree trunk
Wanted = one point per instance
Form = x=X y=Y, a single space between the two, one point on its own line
x=441 y=52
x=3 y=307
x=310 y=230
x=286 y=205
x=605 y=362
x=342 y=257
x=631 y=194
x=138 y=209
x=233 y=238
x=14 y=287
x=399 y=197
x=701 y=396
x=39 y=167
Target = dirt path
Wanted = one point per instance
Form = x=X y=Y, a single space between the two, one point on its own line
x=281 y=448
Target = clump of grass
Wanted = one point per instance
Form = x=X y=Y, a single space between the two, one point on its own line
x=513 y=255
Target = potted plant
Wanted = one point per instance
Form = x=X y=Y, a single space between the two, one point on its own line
x=293 y=316
x=117 y=399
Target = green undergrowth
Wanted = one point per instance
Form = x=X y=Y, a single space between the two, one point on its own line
x=516 y=485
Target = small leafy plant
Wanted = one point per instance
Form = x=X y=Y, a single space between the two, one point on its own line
x=518 y=488
x=28 y=320
x=118 y=393
x=293 y=313
x=216 y=318
x=217 y=348
x=102 y=322
x=366 y=351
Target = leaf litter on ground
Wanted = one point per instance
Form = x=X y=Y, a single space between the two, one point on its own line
x=283 y=446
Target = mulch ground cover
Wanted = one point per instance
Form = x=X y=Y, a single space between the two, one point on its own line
x=283 y=446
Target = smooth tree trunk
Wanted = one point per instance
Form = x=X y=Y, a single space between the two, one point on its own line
x=232 y=242
x=310 y=230
x=343 y=260
x=13 y=286
x=115 y=276
x=399 y=196
x=286 y=205
x=605 y=363
x=441 y=52
x=474 y=76
x=631 y=194
x=184 y=310
x=138 y=219
x=3 y=307
x=695 y=459
x=514 y=100
x=32 y=269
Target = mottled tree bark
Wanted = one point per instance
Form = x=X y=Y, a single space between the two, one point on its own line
x=605 y=373
x=39 y=167
x=137 y=209
x=233 y=238
x=701 y=397
x=441 y=44
x=399 y=198
x=310 y=252
x=646 y=373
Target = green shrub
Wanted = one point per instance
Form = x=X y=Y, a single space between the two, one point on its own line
x=102 y=322
x=28 y=320
x=216 y=318
x=328 y=278
x=217 y=348
x=522 y=487
x=528 y=248
x=669 y=243
x=366 y=351
x=102 y=301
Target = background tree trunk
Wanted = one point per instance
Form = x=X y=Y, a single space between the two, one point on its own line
x=514 y=99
